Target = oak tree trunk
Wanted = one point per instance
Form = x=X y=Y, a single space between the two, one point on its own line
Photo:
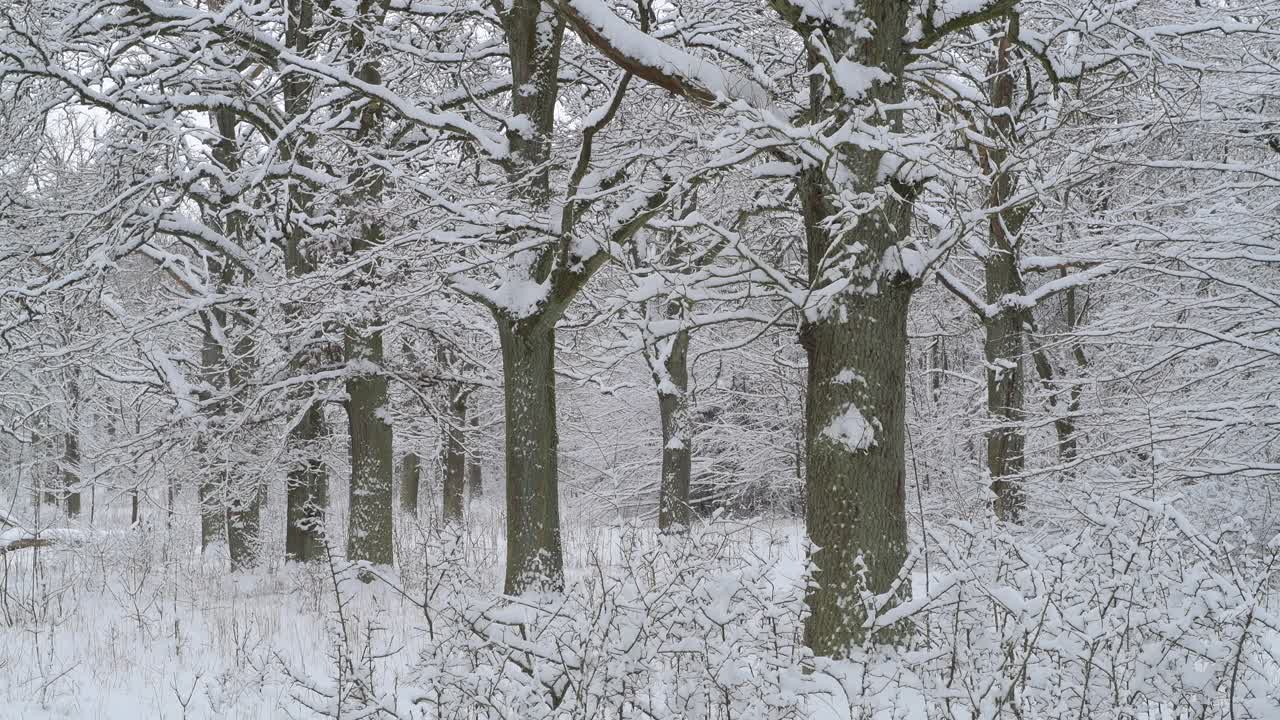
x=245 y=495
x=1006 y=441
x=856 y=477
x=1004 y=342
x=307 y=488
x=534 y=32
x=211 y=492
x=409 y=477
x=453 y=460
x=856 y=341
x=71 y=453
x=370 y=526
x=475 y=471
x=369 y=535
x=534 y=560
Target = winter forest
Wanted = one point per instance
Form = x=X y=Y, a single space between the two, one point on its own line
x=640 y=359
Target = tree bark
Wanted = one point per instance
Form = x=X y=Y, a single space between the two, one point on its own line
x=1004 y=343
x=856 y=477
x=370 y=532
x=244 y=497
x=453 y=458
x=677 y=435
x=409 y=476
x=1006 y=441
x=71 y=453
x=369 y=535
x=856 y=343
x=534 y=31
x=475 y=470
x=307 y=489
x=534 y=560
x=42 y=484
x=213 y=479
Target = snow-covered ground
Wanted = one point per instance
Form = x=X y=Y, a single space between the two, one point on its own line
x=128 y=624
x=1135 y=615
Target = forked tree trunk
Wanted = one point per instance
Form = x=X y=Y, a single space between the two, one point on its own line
x=453 y=459
x=307 y=489
x=534 y=32
x=677 y=437
x=855 y=395
x=534 y=561
x=410 y=470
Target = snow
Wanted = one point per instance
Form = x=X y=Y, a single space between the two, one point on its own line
x=1138 y=581
x=850 y=430
x=847 y=377
x=855 y=79
x=654 y=54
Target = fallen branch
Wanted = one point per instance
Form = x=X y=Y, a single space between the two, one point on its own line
x=24 y=543
x=19 y=539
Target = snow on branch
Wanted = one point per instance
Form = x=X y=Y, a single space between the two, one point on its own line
x=653 y=60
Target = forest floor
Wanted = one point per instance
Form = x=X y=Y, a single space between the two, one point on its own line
x=131 y=625
x=109 y=623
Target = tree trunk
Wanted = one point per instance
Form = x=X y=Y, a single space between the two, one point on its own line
x=370 y=526
x=856 y=343
x=534 y=560
x=410 y=468
x=677 y=436
x=1004 y=343
x=1006 y=441
x=453 y=459
x=41 y=484
x=855 y=486
x=244 y=498
x=369 y=535
x=534 y=31
x=213 y=478
x=475 y=472
x=244 y=526
x=1068 y=442
x=71 y=453
x=307 y=489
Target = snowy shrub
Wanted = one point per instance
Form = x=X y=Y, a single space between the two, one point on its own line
x=1136 y=614
x=703 y=626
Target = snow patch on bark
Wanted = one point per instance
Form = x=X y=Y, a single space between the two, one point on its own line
x=847 y=377
x=851 y=429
